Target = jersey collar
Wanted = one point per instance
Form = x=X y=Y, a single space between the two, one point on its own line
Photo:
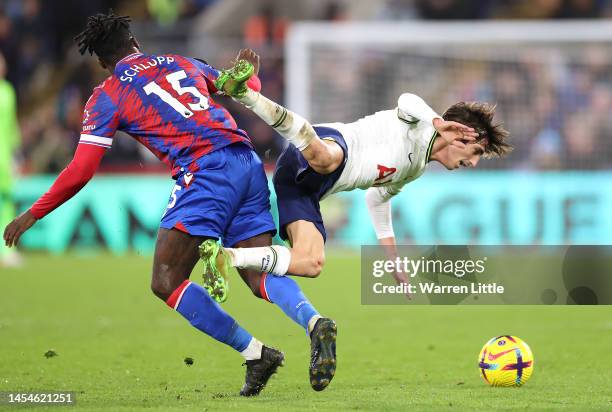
x=430 y=146
x=129 y=56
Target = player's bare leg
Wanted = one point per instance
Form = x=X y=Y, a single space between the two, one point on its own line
x=176 y=254
x=308 y=249
x=323 y=156
x=306 y=258
x=254 y=274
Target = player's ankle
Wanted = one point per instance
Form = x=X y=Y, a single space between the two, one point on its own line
x=236 y=257
x=253 y=350
x=312 y=322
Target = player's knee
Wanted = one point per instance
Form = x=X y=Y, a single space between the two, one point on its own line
x=162 y=284
x=316 y=265
x=324 y=158
x=253 y=280
x=323 y=162
x=320 y=263
x=309 y=259
x=159 y=290
x=322 y=166
x=255 y=286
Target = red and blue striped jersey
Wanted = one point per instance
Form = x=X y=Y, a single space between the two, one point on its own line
x=164 y=103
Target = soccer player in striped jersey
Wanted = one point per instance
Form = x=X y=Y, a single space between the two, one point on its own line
x=379 y=153
x=221 y=190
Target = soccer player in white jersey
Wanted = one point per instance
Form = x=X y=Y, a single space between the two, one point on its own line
x=380 y=153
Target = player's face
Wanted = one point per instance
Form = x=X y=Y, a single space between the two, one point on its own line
x=466 y=155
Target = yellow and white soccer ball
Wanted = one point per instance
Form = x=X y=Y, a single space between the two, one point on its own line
x=505 y=361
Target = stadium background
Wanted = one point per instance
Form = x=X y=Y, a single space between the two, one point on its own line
x=554 y=95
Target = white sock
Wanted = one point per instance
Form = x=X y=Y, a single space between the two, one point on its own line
x=290 y=125
x=270 y=259
x=312 y=322
x=253 y=351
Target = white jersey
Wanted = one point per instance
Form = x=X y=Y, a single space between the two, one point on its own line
x=385 y=150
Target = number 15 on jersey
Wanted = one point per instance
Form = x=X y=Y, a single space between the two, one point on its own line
x=175 y=81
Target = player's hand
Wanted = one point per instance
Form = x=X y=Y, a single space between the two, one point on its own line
x=17 y=227
x=250 y=56
x=455 y=133
x=402 y=279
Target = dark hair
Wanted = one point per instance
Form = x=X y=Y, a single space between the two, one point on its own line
x=480 y=117
x=107 y=35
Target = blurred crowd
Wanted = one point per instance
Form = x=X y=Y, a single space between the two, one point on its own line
x=52 y=82
x=558 y=122
x=559 y=114
x=494 y=9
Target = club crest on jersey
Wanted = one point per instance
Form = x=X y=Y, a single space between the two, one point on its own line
x=384 y=172
x=188 y=178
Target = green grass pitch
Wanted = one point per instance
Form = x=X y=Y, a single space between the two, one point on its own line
x=121 y=349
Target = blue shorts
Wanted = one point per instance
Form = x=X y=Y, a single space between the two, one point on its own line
x=299 y=188
x=227 y=199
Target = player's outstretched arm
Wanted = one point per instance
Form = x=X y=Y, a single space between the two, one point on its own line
x=72 y=179
x=17 y=227
x=378 y=200
x=379 y=207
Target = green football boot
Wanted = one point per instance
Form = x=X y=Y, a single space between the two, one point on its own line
x=232 y=81
x=216 y=269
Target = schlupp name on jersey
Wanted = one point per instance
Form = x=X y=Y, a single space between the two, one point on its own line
x=129 y=73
